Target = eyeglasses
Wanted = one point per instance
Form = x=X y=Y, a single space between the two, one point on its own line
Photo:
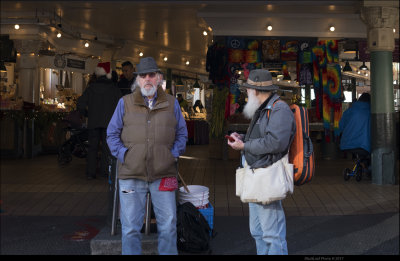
x=151 y=75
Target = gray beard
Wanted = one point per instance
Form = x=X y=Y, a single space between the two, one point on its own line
x=251 y=106
x=149 y=92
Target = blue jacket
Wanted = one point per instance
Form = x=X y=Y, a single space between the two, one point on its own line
x=355 y=127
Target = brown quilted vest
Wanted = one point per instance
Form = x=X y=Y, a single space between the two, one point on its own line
x=149 y=136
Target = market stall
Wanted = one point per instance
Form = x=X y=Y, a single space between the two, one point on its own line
x=32 y=128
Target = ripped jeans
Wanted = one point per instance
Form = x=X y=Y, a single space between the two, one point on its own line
x=132 y=194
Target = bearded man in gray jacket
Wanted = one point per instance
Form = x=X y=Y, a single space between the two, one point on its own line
x=267 y=140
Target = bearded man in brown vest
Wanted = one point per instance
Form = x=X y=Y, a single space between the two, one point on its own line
x=147 y=134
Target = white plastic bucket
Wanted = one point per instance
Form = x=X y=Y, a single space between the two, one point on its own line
x=198 y=195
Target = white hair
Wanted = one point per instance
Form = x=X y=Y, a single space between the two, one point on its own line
x=252 y=104
x=134 y=85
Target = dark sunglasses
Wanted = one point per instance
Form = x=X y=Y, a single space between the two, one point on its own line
x=151 y=75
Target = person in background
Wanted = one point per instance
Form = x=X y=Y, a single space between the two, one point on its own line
x=127 y=79
x=98 y=103
x=355 y=129
x=182 y=102
x=147 y=133
x=114 y=77
x=198 y=107
x=266 y=141
x=198 y=111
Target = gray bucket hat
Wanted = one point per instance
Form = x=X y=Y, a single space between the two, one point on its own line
x=147 y=65
x=259 y=79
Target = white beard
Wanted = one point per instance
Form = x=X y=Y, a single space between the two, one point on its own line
x=149 y=92
x=251 y=106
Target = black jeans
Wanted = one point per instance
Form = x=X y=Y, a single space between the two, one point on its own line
x=97 y=136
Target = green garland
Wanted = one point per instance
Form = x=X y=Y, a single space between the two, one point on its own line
x=41 y=118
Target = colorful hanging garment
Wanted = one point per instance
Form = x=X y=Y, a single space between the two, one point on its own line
x=333 y=89
x=252 y=56
x=253 y=44
x=289 y=50
x=234 y=86
x=285 y=69
x=327 y=75
x=246 y=70
x=305 y=74
x=236 y=43
x=332 y=54
x=236 y=55
x=319 y=66
x=271 y=50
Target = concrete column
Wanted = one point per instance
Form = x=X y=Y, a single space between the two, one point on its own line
x=28 y=72
x=381 y=18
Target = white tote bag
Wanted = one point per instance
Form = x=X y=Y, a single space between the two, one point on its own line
x=265 y=185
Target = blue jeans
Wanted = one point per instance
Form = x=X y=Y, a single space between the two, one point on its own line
x=268 y=228
x=132 y=193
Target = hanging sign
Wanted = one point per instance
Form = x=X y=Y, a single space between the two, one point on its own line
x=78 y=64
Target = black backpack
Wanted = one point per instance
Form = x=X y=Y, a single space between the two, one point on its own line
x=193 y=231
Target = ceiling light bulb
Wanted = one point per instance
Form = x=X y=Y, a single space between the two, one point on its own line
x=140 y=54
x=59 y=35
x=269 y=28
x=332 y=28
x=165 y=58
x=86 y=44
x=204 y=33
x=187 y=62
x=394 y=30
x=16 y=26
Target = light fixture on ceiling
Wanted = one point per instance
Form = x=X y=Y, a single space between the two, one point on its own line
x=16 y=26
x=59 y=35
x=205 y=33
x=332 y=28
x=196 y=83
x=187 y=62
x=363 y=67
x=347 y=67
x=141 y=54
x=165 y=58
x=269 y=27
x=86 y=44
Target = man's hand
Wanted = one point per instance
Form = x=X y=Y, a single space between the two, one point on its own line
x=238 y=143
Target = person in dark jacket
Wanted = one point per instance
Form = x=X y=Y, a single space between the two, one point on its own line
x=267 y=140
x=355 y=129
x=127 y=78
x=98 y=103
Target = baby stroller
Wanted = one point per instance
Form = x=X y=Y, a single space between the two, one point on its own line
x=362 y=163
x=77 y=139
